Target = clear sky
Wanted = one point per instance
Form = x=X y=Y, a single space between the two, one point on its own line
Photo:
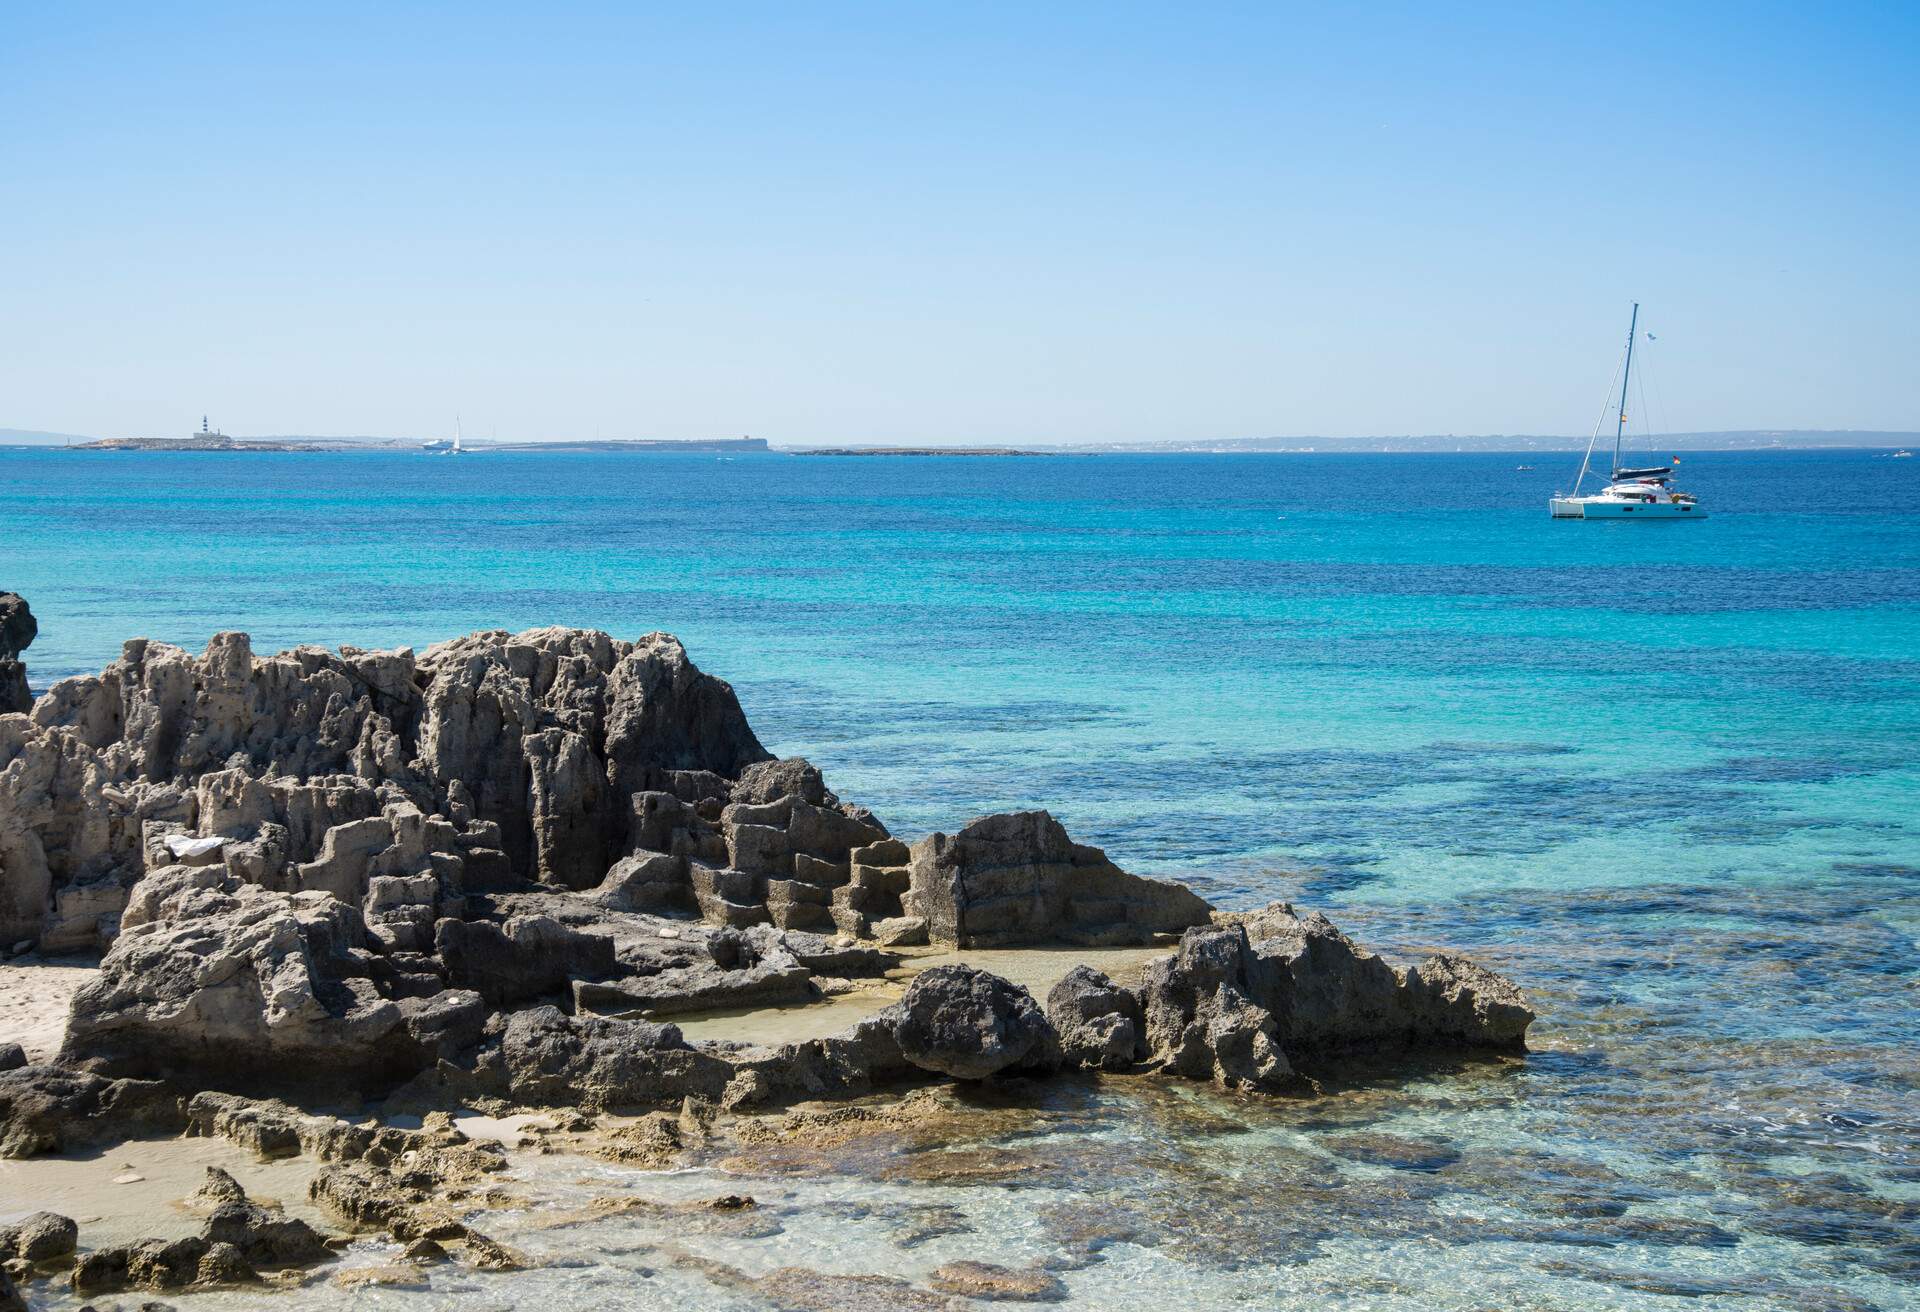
x=956 y=223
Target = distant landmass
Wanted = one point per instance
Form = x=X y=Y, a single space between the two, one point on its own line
x=207 y=441
x=36 y=437
x=1728 y=440
x=923 y=451
x=213 y=442
x=1725 y=440
x=741 y=444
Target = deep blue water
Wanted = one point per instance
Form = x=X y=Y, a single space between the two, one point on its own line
x=1664 y=772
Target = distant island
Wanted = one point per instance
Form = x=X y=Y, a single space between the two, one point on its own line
x=926 y=451
x=1726 y=440
x=207 y=439
x=729 y=444
x=206 y=442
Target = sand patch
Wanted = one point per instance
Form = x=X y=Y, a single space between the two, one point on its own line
x=34 y=994
x=160 y=1175
x=1036 y=969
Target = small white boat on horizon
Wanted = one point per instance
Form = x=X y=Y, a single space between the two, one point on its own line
x=439 y=446
x=1903 y=455
x=1646 y=493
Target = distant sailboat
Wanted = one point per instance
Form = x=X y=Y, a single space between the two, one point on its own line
x=439 y=446
x=1629 y=493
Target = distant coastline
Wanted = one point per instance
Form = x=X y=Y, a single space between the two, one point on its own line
x=928 y=451
x=1724 y=440
x=222 y=442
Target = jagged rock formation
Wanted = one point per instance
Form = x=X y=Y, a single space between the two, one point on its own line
x=1246 y=1001
x=400 y=784
x=1329 y=995
x=1011 y=880
x=491 y=870
x=17 y=630
x=1201 y=1017
x=223 y=976
x=1100 y=1024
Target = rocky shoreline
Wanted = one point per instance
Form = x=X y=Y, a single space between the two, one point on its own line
x=330 y=890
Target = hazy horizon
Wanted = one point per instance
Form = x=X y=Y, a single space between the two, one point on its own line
x=1712 y=440
x=855 y=224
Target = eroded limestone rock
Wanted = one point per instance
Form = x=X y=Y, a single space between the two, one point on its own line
x=1018 y=879
x=350 y=868
x=1201 y=1017
x=971 y=1025
x=1099 y=1023
x=17 y=630
x=41 y=1237
x=49 y=1109
x=516 y=751
x=229 y=983
x=237 y=1239
x=547 y=1058
x=1327 y=994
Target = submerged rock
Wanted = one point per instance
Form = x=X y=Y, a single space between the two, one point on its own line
x=966 y=1023
x=985 y=1280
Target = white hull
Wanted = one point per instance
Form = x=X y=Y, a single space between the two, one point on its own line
x=1643 y=493
x=1606 y=508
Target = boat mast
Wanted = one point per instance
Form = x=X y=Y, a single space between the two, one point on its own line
x=1620 y=424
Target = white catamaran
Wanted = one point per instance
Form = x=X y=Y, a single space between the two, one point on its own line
x=1629 y=493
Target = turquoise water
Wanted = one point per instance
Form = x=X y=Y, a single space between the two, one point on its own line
x=1664 y=773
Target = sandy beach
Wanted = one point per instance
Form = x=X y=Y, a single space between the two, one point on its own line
x=34 y=994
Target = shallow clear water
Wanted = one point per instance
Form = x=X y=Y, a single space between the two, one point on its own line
x=1664 y=773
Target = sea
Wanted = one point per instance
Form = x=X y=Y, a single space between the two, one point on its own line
x=1664 y=774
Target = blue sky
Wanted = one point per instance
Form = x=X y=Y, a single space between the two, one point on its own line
x=957 y=223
